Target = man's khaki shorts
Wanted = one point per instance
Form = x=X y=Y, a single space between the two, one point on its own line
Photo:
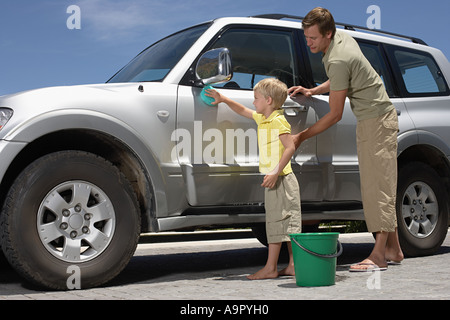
x=283 y=212
x=377 y=155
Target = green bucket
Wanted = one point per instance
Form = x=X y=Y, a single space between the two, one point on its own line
x=315 y=258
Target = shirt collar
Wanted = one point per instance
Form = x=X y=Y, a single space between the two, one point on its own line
x=336 y=39
x=272 y=116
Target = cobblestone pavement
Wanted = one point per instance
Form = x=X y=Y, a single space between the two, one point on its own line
x=217 y=270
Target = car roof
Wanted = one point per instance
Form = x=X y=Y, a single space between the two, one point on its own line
x=283 y=20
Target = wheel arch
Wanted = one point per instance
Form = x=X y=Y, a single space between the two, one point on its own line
x=117 y=144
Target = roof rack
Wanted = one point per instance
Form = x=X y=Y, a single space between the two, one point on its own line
x=278 y=16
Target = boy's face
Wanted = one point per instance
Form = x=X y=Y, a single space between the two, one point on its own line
x=316 y=41
x=262 y=104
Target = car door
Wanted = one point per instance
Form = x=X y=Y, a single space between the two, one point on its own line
x=221 y=166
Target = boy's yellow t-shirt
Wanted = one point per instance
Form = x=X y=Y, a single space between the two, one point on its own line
x=270 y=147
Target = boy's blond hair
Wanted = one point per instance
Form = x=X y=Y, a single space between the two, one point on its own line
x=274 y=88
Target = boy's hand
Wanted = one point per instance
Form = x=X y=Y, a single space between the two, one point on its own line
x=269 y=181
x=215 y=95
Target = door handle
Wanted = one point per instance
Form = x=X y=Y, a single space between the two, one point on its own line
x=292 y=109
x=294 y=105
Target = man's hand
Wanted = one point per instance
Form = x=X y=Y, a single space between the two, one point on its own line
x=292 y=91
x=297 y=138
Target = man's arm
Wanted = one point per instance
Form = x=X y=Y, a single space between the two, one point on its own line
x=337 y=102
x=323 y=88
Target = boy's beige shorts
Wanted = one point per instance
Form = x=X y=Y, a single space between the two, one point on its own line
x=377 y=156
x=283 y=211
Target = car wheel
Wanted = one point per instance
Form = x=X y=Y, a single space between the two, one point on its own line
x=422 y=211
x=70 y=212
x=259 y=231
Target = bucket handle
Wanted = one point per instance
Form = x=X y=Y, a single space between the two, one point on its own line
x=334 y=255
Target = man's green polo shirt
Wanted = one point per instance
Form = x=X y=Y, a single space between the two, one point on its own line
x=348 y=68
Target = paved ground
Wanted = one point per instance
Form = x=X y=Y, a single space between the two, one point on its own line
x=217 y=269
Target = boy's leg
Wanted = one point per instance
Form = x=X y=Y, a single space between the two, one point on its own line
x=290 y=269
x=270 y=269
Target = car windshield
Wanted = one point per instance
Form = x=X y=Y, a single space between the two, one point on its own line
x=155 y=62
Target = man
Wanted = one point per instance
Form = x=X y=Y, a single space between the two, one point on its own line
x=351 y=75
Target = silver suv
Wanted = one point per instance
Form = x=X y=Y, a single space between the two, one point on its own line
x=85 y=169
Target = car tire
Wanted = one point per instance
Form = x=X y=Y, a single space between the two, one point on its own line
x=422 y=211
x=259 y=231
x=70 y=221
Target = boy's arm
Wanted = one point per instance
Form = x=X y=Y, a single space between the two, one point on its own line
x=235 y=106
x=271 y=178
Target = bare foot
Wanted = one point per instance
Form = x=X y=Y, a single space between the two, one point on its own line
x=288 y=271
x=264 y=273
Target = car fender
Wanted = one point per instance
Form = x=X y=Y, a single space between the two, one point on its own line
x=406 y=140
x=67 y=119
x=429 y=138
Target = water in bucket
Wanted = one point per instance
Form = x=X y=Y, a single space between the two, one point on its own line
x=315 y=258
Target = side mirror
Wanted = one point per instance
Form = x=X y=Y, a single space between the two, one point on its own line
x=214 y=66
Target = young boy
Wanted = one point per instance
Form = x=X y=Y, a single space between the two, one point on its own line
x=276 y=147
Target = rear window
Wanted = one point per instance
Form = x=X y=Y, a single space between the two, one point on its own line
x=418 y=73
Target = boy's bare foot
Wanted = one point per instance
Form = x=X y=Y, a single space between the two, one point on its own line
x=288 y=271
x=262 y=274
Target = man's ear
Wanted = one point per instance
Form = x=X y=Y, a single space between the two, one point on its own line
x=329 y=35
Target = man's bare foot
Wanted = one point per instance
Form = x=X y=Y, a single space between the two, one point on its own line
x=264 y=273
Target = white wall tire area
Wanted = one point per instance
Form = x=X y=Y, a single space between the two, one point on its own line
x=66 y=209
x=422 y=211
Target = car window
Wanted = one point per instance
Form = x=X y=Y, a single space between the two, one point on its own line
x=154 y=63
x=419 y=72
x=257 y=54
x=317 y=68
x=373 y=53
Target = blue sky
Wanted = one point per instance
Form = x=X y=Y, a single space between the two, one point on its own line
x=37 y=49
